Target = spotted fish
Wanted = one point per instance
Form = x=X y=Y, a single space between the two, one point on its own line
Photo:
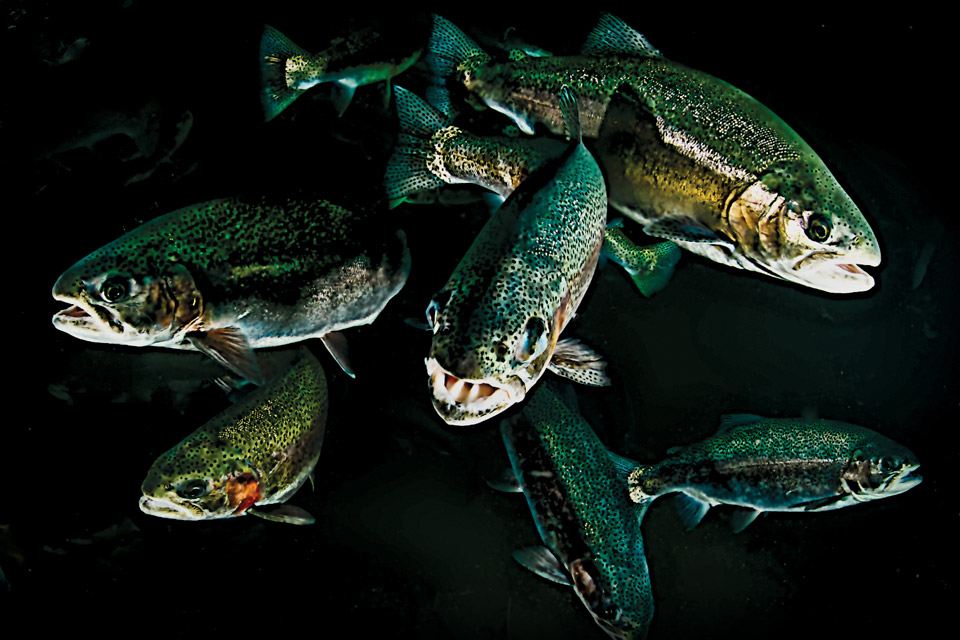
x=287 y=70
x=578 y=497
x=227 y=276
x=691 y=158
x=498 y=319
x=431 y=153
x=255 y=454
x=772 y=464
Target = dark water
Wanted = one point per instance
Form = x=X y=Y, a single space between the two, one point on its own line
x=409 y=539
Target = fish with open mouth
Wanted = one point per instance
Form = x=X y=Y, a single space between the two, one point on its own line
x=498 y=319
x=250 y=458
x=226 y=276
x=577 y=494
x=287 y=70
x=778 y=464
x=688 y=156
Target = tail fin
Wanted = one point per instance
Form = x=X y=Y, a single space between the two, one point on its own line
x=649 y=267
x=450 y=52
x=275 y=50
x=408 y=168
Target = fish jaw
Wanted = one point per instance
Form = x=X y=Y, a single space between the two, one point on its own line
x=462 y=401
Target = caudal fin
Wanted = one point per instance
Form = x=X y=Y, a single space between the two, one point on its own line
x=275 y=50
x=408 y=169
x=649 y=267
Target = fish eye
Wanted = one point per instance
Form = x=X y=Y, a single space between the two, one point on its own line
x=115 y=288
x=432 y=315
x=818 y=227
x=193 y=489
x=533 y=341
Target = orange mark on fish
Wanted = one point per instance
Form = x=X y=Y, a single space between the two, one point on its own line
x=243 y=492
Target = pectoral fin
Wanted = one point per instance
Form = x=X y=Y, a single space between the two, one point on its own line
x=230 y=348
x=336 y=344
x=542 y=562
x=578 y=362
x=685 y=231
x=341 y=94
x=282 y=513
x=690 y=510
x=741 y=519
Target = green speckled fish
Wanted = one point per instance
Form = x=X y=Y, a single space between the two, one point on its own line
x=431 y=153
x=227 y=276
x=578 y=497
x=779 y=464
x=497 y=320
x=287 y=70
x=256 y=453
x=688 y=156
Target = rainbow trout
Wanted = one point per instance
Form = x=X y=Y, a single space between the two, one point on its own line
x=498 y=319
x=255 y=454
x=431 y=153
x=778 y=464
x=227 y=276
x=688 y=156
x=576 y=491
x=287 y=70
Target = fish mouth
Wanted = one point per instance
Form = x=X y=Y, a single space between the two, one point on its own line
x=87 y=322
x=903 y=480
x=463 y=401
x=823 y=270
x=163 y=508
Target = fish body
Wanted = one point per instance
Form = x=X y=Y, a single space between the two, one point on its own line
x=287 y=70
x=766 y=464
x=227 y=276
x=256 y=453
x=497 y=320
x=577 y=495
x=690 y=157
x=431 y=152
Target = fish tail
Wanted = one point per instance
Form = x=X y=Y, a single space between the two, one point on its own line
x=571 y=113
x=408 y=169
x=450 y=54
x=275 y=50
x=649 y=267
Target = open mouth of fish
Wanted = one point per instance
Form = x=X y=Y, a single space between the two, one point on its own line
x=78 y=320
x=823 y=270
x=168 y=509
x=463 y=401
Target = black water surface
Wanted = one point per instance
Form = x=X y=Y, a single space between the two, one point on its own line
x=409 y=539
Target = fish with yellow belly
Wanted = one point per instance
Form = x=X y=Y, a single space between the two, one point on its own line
x=688 y=156
x=250 y=458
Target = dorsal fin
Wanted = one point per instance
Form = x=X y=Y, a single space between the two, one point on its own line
x=731 y=420
x=571 y=113
x=612 y=35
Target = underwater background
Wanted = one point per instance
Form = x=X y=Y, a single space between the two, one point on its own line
x=409 y=538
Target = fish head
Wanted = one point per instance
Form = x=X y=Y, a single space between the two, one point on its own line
x=879 y=468
x=200 y=479
x=121 y=294
x=489 y=350
x=617 y=598
x=797 y=223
